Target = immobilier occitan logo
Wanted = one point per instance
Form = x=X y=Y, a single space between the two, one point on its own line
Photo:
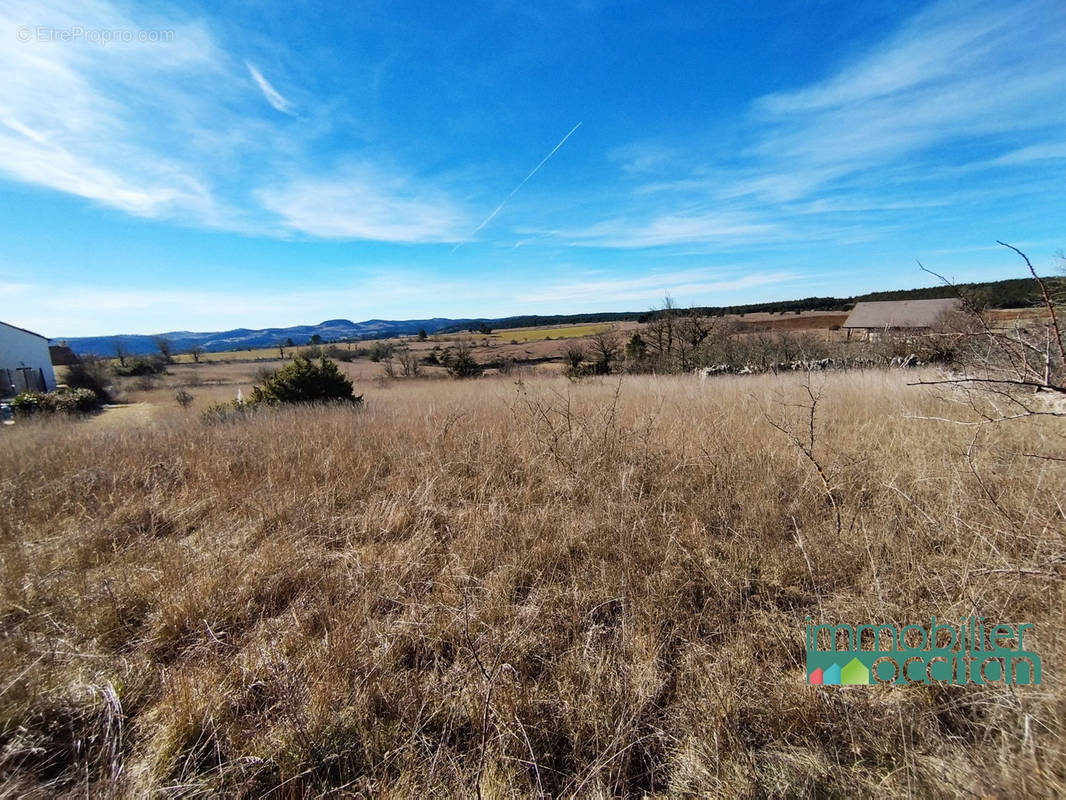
x=969 y=652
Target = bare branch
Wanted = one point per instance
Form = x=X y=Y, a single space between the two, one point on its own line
x=1047 y=298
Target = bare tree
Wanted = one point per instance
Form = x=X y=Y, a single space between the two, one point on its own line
x=1008 y=371
x=691 y=331
x=165 y=348
x=605 y=349
x=805 y=439
x=575 y=354
x=408 y=359
x=121 y=352
x=196 y=351
x=661 y=330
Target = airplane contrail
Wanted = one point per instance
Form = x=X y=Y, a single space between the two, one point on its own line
x=522 y=183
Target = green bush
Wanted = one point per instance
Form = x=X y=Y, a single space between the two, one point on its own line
x=381 y=351
x=461 y=363
x=142 y=365
x=75 y=401
x=305 y=381
x=63 y=401
x=28 y=403
x=338 y=353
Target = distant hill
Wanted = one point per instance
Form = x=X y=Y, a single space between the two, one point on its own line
x=1013 y=293
x=245 y=338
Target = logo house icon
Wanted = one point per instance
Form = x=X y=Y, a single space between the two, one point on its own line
x=853 y=673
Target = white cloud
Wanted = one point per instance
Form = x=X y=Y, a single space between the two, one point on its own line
x=364 y=203
x=130 y=126
x=391 y=293
x=269 y=92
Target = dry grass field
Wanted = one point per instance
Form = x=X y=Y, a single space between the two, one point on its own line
x=251 y=354
x=522 y=588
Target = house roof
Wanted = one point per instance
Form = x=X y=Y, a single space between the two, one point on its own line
x=62 y=356
x=17 y=328
x=899 y=313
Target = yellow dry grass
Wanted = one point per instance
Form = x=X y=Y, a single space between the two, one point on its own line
x=540 y=334
x=521 y=589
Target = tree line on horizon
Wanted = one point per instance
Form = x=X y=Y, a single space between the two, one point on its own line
x=1010 y=293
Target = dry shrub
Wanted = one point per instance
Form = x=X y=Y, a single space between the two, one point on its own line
x=593 y=589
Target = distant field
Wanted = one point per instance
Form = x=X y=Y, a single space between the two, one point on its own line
x=520 y=335
x=540 y=334
x=1008 y=316
x=257 y=353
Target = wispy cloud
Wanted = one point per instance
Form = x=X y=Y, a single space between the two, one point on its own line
x=272 y=95
x=364 y=203
x=680 y=228
x=129 y=126
x=958 y=83
x=973 y=73
x=650 y=288
x=61 y=128
x=1048 y=151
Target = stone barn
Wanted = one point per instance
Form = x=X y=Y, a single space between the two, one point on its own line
x=872 y=320
x=25 y=362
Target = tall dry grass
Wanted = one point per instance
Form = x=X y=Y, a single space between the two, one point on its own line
x=541 y=588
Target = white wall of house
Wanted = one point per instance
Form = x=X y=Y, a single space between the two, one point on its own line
x=24 y=358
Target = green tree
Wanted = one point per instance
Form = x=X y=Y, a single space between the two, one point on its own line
x=422 y=335
x=636 y=348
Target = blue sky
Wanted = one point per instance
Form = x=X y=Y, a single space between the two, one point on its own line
x=284 y=163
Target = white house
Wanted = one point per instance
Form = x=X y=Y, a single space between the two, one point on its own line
x=25 y=363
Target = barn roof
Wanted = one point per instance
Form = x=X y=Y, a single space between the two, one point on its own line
x=17 y=328
x=899 y=313
x=62 y=356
